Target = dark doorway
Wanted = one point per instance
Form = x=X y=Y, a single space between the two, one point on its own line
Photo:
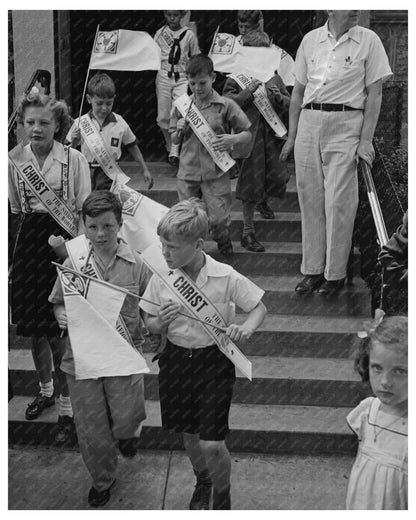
x=136 y=98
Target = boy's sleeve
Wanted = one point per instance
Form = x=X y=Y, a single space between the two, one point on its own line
x=128 y=139
x=193 y=44
x=231 y=90
x=279 y=100
x=244 y=293
x=68 y=137
x=57 y=296
x=236 y=118
x=82 y=178
x=151 y=293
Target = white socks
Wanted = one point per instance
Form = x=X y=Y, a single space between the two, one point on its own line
x=65 y=407
x=46 y=389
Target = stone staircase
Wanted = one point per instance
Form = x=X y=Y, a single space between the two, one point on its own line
x=303 y=382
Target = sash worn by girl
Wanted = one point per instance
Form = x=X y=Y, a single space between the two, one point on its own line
x=54 y=205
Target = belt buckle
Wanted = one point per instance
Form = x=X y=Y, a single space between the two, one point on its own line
x=188 y=352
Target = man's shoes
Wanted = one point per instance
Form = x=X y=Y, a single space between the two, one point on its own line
x=65 y=428
x=128 y=447
x=221 y=500
x=99 y=498
x=251 y=243
x=226 y=248
x=310 y=283
x=265 y=210
x=331 y=287
x=202 y=492
x=36 y=407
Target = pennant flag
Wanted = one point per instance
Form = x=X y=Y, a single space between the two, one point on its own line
x=228 y=55
x=98 y=349
x=125 y=50
x=141 y=216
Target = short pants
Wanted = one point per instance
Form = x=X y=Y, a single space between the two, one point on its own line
x=195 y=390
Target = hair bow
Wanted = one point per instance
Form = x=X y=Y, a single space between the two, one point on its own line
x=370 y=326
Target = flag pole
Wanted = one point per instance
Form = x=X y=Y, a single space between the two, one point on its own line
x=213 y=40
x=88 y=72
x=127 y=292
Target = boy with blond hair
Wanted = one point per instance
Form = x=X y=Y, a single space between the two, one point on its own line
x=195 y=378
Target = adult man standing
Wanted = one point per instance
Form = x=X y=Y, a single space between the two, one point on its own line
x=334 y=109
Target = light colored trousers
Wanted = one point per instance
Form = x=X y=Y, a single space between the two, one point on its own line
x=216 y=193
x=105 y=410
x=167 y=90
x=326 y=178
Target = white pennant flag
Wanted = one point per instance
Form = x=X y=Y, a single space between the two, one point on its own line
x=92 y=309
x=125 y=50
x=228 y=55
x=141 y=216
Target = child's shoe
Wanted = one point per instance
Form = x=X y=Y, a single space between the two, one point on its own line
x=222 y=500
x=99 y=498
x=265 y=210
x=202 y=493
x=225 y=247
x=65 y=428
x=128 y=447
x=36 y=407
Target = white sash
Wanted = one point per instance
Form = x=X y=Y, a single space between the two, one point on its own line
x=262 y=103
x=203 y=131
x=54 y=205
x=96 y=146
x=195 y=301
x=79 y=253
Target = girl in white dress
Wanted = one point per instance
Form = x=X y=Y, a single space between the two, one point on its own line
x=378 y=478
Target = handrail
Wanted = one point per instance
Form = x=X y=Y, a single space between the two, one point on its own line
x=374 y=204
x=44 y=78
x=378 y=219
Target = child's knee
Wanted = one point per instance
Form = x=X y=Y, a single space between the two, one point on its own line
x=213 y=448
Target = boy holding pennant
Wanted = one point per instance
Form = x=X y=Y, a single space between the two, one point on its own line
x=208 y=126
x=262 y=174
x=102 y=360
x=101 y=133
x=196 y=368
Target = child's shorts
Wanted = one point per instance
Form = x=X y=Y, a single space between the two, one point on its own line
x=195 y=390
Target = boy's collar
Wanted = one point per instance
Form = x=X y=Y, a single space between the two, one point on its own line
x=111 y=118
x=213 y=98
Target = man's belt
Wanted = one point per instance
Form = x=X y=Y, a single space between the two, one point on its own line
x=330 y=107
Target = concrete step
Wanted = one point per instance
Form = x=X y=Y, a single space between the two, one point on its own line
x=164 y=189
x=282 y=335
x=280 y=297
x=281 y=257
x=276 y=381
x=265 y=429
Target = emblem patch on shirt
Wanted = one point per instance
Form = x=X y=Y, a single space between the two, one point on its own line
x=106 y=42
x=224 y=44
x=114 y=141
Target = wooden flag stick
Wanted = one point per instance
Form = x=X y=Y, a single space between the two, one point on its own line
x=88 y=73
x=126 y=292
x=213 y=40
